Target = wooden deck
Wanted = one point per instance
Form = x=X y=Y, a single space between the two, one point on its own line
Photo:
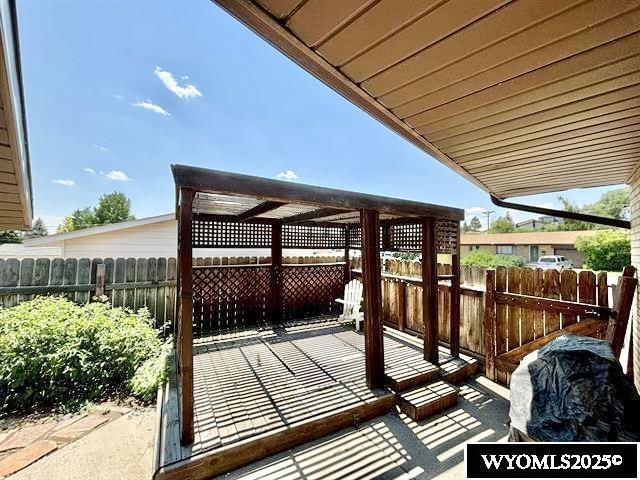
x=258 y=392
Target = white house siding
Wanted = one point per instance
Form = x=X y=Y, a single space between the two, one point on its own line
x=634 y=209
x=153 y=240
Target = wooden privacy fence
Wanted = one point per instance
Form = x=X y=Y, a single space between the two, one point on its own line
x=127 y=282
x=525 y=308
x=402 y=300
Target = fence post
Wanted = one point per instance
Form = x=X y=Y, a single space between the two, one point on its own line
x=101 y=270
x=490 y=324
x=402 y=305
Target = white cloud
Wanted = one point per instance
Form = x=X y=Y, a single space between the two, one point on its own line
x=117 y=176
x=182 y=91
x=287 y=175
x=90 y=170
x=66 y=183
x=149 y=105
x=117 y=97
x=471 y=211
x=102 y=148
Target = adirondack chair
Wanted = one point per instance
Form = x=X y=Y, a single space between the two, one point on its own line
x=352 y=303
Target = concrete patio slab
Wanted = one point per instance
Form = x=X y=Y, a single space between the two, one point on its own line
x=121 y=450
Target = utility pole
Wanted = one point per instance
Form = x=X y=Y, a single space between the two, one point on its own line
x=488 y=214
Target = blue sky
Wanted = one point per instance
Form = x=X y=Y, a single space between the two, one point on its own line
x=116 y=91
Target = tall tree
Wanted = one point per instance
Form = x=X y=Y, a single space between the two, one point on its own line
x=38 y=229
x=475 y=225
x=113 y=208
x=79 y=219
x=465 y=227
x=613 y=203
x=503 y=225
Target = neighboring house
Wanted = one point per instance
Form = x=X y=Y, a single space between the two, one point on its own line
x=16 y=205
x=143 y=238
x=21 y=251
x=529 y=245
x=540 y=222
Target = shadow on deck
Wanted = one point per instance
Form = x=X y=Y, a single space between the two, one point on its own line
x=258 y=392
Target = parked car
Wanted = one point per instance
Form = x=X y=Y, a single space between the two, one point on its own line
x=554 y=261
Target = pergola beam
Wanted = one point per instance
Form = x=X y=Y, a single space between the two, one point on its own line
x=259 y=209
x=319 y=213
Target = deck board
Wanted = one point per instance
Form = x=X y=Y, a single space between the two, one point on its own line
x=250 y=384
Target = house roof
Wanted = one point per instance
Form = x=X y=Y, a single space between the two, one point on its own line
x=85 y=232
x=524 y=238
x=520 y=97
x=16 y=203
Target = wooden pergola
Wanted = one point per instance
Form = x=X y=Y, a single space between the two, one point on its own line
x=218 y=209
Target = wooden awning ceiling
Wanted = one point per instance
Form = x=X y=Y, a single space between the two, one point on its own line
x=520 y=97
x=16 y=204
x=246 y=198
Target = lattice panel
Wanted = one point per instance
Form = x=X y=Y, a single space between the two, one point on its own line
x=355 y=237
x=230 y=297
x=310 y=290
x=406 y=237
x=304 y=236
x=447 y=236
x=215 y=234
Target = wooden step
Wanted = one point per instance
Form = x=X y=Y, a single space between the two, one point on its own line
x=406 y=377
x=427 y=400
x=457 y=370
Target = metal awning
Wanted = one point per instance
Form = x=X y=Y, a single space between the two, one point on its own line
x=520 y=97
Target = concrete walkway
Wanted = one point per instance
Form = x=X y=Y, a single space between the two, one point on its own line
x=121 y=450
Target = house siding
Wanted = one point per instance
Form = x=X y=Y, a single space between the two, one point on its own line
x=634 y=212
x=153 y=240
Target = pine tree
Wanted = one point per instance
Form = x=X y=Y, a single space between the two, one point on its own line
x=475 y=225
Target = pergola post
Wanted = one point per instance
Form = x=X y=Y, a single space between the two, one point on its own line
x=429 y=291
x=276 y=271
x=184 y=342
x=454 y=326
x=373 y=333
x=347 y=263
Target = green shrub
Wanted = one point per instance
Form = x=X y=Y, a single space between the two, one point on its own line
x=482 y=258
x=151 y=374
x=54 y=352
x=608 y=250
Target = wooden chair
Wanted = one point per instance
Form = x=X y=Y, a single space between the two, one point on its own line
x=352 y=303
x=599 y=322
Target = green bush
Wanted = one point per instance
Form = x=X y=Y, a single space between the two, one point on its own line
x=608 y=250
x=482 y=258
x=54 y=352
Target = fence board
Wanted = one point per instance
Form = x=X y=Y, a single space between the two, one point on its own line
x=119 y=276
x=551 y=290
x=141 y=276
x=528 y=315
x=501 y=312
x=26 y=277
x=130 y=267
x=538 y=328
x=513 y=330
x=568 y=292
x=152 y=276
x=83 y=278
